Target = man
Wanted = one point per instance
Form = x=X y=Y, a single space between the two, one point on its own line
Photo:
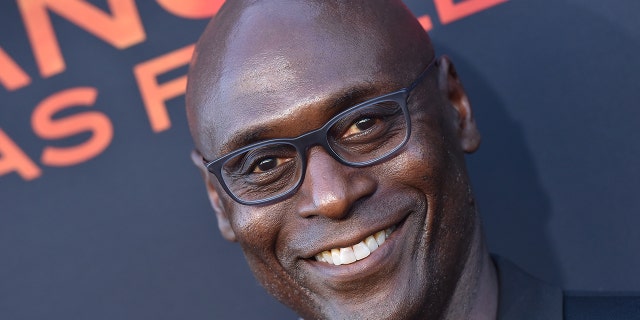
x=332 y=141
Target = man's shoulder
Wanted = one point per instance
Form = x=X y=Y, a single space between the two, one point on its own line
x=521 y=296
x=601 y=305
x=524 y=297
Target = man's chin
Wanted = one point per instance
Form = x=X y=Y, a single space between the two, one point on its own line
x=403 y=301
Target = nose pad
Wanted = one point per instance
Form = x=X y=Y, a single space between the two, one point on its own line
x=330 y=188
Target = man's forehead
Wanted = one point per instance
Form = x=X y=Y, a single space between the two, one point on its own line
x=278 y=50
x=277 y=63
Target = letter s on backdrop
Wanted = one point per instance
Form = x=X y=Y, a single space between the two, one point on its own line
x=90 y=121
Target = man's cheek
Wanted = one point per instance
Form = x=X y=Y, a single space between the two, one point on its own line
x=255 y=229
x=421 y=163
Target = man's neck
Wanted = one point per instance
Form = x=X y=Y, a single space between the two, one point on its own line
x=476 y=296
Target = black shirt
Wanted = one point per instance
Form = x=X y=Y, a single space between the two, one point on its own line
x=523 y=297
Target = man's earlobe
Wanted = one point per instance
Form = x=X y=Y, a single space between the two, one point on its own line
x=468 y=133
x=223 y=220
x=214 y=198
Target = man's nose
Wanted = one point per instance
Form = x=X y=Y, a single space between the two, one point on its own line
x=330 y=188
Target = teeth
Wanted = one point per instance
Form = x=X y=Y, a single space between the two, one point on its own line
x=335 y=257
x=380 y=236
x=327 y=257
x=347 y=256
x=388 y=231
x=361 y=250
x=371 y=242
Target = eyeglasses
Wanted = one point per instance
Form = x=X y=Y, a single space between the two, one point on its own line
x=365 y=134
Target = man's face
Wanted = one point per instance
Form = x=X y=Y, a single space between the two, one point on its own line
x=276 y=82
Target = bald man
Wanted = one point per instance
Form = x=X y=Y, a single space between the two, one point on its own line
x=332 y=140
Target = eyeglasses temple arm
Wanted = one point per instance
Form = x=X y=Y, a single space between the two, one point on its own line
x=423 y=74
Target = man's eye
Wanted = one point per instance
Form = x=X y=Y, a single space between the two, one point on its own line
x=361 y=125
x=267 y=164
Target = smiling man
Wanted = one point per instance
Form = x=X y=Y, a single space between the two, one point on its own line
x=332 y=143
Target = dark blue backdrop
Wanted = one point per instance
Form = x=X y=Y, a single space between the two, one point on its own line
x=129 y=234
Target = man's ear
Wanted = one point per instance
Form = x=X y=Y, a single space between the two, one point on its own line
x=216 y=203
x=468 y=133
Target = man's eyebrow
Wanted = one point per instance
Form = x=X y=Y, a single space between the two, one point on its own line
x=348 y=98
x=244 y=138
x=339 y=102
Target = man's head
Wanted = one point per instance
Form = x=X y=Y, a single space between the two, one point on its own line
x=278 y=69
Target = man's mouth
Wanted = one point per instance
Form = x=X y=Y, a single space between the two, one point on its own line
x=359 y=251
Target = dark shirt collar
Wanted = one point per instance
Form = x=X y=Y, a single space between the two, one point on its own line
x=523 y=297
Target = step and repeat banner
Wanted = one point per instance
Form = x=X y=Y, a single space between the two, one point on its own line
x=103 y=216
